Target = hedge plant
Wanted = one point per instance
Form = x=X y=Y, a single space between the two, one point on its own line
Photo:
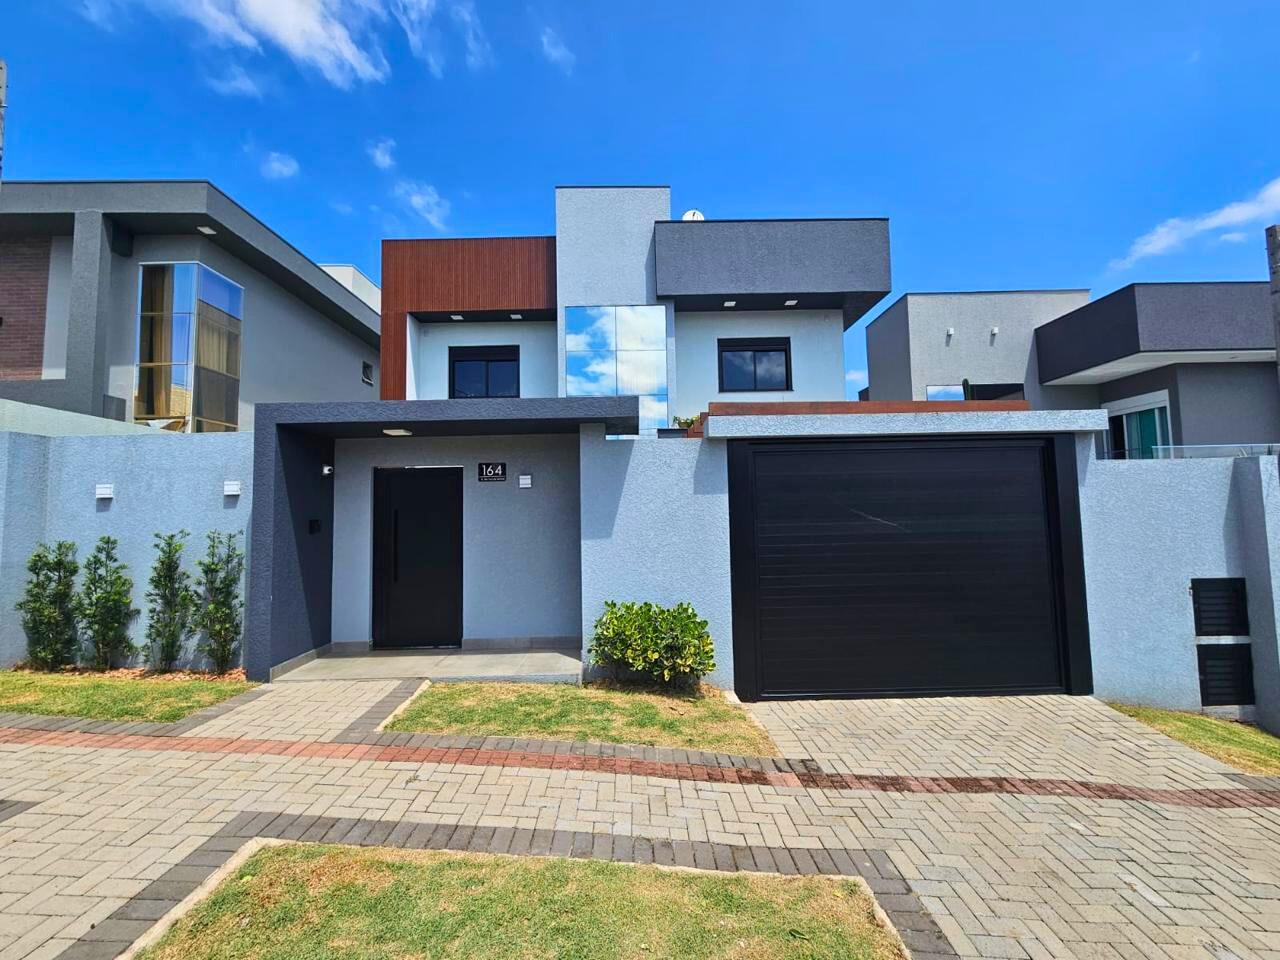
x=106 y=606
x=171 y=603
x=670 y=646
x=220 y=614
x=50 y=614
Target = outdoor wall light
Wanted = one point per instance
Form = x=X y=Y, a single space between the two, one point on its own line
x=526 y=481
x=994 y=331
x=104 y=491
x=326 y=470
x=231 y=488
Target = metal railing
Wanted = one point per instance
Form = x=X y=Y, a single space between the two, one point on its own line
x=1193 y=451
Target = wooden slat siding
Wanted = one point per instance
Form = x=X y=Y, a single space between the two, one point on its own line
x=457 y=275
x=801 y=408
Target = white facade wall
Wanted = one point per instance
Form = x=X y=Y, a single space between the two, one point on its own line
x=429 y=345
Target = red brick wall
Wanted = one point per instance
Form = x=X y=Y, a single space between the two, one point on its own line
x=24 y=287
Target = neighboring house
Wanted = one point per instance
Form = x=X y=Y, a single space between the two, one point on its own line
x=625 y=301
x=1188 y=366
x=168 y=304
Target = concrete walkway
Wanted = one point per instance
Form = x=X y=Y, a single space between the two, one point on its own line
x=532 y=666
x=1026 y=828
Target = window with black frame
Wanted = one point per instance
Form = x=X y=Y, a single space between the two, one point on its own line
x=476 y=372
x=754 y=365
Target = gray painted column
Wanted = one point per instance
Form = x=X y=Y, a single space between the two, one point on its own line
x=90 y=298
x=1257 y=483
x=1273 y=260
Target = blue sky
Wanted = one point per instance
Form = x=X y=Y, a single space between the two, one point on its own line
x=1012 y=145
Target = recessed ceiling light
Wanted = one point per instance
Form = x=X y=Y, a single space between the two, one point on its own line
x=731 y=303
x=789 y=303
x=207 y=231
x=397 y=432
x=455 y=316
x=517 y=316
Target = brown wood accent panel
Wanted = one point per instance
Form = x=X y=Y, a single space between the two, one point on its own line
x=801 y=408
x=457 y=275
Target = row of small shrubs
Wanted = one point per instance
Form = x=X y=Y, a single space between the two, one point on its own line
x=90 y=626
x=669 y=646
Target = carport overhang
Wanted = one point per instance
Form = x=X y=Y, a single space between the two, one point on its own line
x=289 y=608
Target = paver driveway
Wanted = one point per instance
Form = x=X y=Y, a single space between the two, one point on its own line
x=1012 y=827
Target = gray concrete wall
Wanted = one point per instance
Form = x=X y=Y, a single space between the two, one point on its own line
x=1149 y=527
x=52 y=422
x=817 y=355
x=520 y=547
x=604 y=250
x=57 y=310
x=163 y=483
x=655 y=526
x=1228 y=403
x=535 y=338
x=889 y=354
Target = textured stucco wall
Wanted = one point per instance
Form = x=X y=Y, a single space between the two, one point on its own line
x=163 y=484
x=889 y=354
x=604 y=250
x=817 y=355
x=430 y=362
x=520 y=547
x=907 y=424
x=52 y=422
x=1228 y=403
x=655 y=526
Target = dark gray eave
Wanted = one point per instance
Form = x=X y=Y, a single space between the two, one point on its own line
x=452 y=418
x=1163 y=319
x=822 y=263
x=159 y=207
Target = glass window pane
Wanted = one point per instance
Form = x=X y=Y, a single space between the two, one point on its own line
x=1162 y=426
x=504 y=378
x=642 y=372
x=641 y=328
x=217 y=396
x=1146 y=426
x=589 y=329
x=737 y=370
x=469 y=378
x=771 y=370
x=954 y=391
x=591 y=374
x=653 y=413
x=221 y=293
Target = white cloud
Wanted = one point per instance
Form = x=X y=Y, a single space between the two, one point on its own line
x=425 y=201
x=1175 y=232
x=855 y=379
x=479 y=53
x=414 y=17
x=342 y=207
x=279 y=166
x=381 y=152
x=1235 y=236
x=236 y=82
x=556 y=52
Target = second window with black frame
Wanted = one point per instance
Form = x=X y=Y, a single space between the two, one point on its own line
x=754 y=365
x=476 y=372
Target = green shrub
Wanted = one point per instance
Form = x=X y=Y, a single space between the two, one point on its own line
x=220 y=612
x=669 y=645
x=171 y=603
x=48 y=607
x=106 y=606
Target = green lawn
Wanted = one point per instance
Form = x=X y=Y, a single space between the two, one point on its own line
x=325 y=903
x=111 y=698
x=1238 y=744
x=600 y=713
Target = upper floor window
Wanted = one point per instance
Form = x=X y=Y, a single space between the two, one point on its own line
x=484 y=372
x=752 y=365
x=1139 y=426
x=188 y=359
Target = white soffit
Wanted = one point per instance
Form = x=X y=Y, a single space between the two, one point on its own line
x=1138 y=362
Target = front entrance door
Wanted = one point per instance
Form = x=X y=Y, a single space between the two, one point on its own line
x=417 y=557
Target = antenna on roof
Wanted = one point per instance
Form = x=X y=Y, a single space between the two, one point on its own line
x=692 y=215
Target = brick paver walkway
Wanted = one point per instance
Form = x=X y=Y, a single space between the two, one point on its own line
x=102 y=832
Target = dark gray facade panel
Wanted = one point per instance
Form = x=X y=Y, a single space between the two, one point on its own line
x=1156 y=317
x=1228 y=403
x=711 y=258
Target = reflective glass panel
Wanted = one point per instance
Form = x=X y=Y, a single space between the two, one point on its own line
x=589 y=329
x=771 y=370
x=504 y=378
x=950 y=392
x=221 y=293
x=642 y=372
x=591 y=374
x=739 y=372
x=217 y=396
x=468 y=378
x=641 y=328
x=653 y=413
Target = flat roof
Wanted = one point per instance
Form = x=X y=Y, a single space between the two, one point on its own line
x=159 y=207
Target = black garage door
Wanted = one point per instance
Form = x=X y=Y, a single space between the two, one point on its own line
x=909 y=567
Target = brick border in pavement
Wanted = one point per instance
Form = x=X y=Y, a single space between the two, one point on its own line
x=35 y=721
x=11 y=808
x=365 y=726
x=904 y=909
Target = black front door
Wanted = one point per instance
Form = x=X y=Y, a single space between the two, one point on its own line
x=417 y=557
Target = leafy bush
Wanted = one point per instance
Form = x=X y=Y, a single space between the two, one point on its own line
x=171 y=603
x=106 y=605
x=669 y=645
x=219 y=616
x=48 y=607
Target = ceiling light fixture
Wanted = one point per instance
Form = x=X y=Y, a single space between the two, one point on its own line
x=397 y=432
x=455 y=316
x=207 y=231
x=517 y=316
x=731 y=303
x=789 y=303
